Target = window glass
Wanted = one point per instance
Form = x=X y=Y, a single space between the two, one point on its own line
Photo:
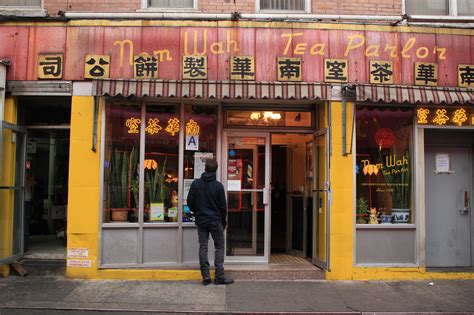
x=161 y=164
x=122 y=138
x=287 y=5
x=200 y=144
x=465 y=7
x=383 y=165
x=427 y=7
x=20 y=3
x=171 y=4
x=300 y=119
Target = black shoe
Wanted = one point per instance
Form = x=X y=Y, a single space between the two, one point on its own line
x=223 y=281
x=206 y=281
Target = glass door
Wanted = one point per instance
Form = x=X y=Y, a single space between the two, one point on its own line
x=321 y=191
x=12 y=165
x=246 y=174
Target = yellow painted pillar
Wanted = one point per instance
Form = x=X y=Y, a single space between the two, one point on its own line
x=84 y=189
x=7 y=197
x=342 y=188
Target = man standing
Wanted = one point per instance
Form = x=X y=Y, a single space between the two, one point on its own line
x=206 y=199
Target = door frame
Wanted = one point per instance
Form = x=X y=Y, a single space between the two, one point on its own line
x=266 y=191
x=321 y=263
x=19 y=174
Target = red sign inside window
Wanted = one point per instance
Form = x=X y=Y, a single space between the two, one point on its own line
x=384 y=137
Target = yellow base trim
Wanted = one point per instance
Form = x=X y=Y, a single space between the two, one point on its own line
x=144 y=274
x=370 y=273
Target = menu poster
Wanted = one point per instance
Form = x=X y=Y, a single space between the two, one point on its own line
x=234 y=169
x=200 y=162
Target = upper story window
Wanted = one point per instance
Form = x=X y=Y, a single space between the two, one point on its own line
x=20 y=3
x=172 y=4
x=284 y=5
x=440 y=7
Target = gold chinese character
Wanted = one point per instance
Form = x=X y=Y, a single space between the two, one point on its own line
x=153 y=126
x=426 y=73
x=460 y=116
x=335 y=70
x=441 y=117
x=50 y=66
x=242 y=68
x=289 y=69
x=173 y=126
x=194 y=67
x=192 y=128
x=381 y=72
x=422 y=114
x=133 y=124
x=97 y=66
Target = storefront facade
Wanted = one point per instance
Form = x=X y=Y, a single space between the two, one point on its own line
x=372 y=107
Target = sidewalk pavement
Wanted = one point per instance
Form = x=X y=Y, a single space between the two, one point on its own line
x=55 y=295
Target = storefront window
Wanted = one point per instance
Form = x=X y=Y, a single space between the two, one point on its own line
x=122 y=144
x=200 y=144
x=383 y=167
x=161 y=164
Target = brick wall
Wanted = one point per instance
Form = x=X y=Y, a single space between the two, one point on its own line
x=362 y=7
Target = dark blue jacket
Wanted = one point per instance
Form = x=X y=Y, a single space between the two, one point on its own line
x=206 y=199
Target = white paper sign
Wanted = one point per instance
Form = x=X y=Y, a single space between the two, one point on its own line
x=77 y=253
x=234 y=185
x=187 y=186
x=442 y=162
x=200 y=162
x=192 y=142
x=79 y=263
x=157 y=212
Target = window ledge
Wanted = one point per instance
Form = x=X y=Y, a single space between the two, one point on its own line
x=440 y=18
x=399 y=226
x=168 y=10
x=284 y=11
x=23 y=11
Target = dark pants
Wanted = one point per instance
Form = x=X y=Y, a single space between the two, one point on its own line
x=217 y=232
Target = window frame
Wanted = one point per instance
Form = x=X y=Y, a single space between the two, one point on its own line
x=307 y=9
x=145 y=6
x=23 y=10
x=452 y=11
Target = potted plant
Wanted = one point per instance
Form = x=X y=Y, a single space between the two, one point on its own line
x=155 y=185
x=118 y=185
x=134 y=185
x=362 y=211
x=386 y=215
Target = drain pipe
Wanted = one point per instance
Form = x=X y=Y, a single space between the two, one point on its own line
x=148 y=14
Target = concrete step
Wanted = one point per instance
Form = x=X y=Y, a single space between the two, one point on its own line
x=282 y=275
x=44 y=267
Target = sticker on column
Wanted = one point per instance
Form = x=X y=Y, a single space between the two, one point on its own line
x=192 y=142
x=79 y=263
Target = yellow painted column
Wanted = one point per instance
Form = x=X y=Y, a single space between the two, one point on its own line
x=7 y=197
x=84 y=189
x=342 y=188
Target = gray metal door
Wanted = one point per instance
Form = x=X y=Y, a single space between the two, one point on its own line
x=448 y=176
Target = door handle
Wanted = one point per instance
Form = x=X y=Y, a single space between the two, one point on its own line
x=465 y=210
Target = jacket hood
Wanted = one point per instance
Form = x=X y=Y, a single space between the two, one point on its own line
x=208 y=177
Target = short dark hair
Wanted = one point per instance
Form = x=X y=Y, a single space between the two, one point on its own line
x=211 y=166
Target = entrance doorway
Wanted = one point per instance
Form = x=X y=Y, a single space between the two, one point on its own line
x=270 y=184
x=291 y=194
x=449 y=173
x=46 y=176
